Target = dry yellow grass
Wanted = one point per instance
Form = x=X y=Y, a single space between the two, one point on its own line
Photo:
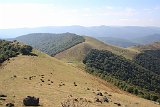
x=78 y=52
x=15 y=83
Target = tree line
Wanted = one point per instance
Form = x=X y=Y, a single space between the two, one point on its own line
x=10 y=49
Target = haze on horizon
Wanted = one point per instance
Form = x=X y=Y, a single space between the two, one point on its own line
x=36 y=13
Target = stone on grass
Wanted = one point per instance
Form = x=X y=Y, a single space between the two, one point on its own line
x=31 y=101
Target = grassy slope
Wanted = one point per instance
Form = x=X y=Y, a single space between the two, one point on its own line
x=78 y=52
x=52 y=95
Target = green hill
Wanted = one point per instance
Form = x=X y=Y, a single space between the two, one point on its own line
x=126 y=74
x=51 y=43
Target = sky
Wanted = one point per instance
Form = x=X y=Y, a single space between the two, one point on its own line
x=37 y=13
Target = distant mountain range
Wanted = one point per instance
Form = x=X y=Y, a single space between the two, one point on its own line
x=123 y=32
x=147 y=39
x=123 y=36
x=131 y=42
x=118 y=41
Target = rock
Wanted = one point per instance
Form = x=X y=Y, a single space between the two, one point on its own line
x=9 y=105
x=105 y=93
x=98 y=100
x=42 y=80
x=2 y=95
x=100 y=94
x=118 y=104
x=109 y=95
x=105 y=99
x=75 y=84
x=31 y=101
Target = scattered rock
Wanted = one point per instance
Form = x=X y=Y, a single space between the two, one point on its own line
x=42 y=80
x=9 y=105
x=31 y=101
x=30 y=78
x=89 y=101
x=105 y=99
x=105 y=93
x=76 y=99
x=70 y=96
x=118 y=104
x=100 y=94
x=97 y=100
x=109 y=95
x=75 y=84
x=88 y=89
x=2 y=95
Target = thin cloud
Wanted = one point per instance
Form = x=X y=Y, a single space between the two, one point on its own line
x=33 y=15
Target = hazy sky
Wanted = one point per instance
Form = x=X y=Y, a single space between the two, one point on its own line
x=34 y=13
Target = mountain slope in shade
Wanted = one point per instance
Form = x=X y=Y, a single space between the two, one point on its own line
x=78 y=52
x=117 y=41
x=22 y=76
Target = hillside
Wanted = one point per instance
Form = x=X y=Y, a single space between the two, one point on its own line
x=78 y=52
x=149 y=56
x=53 y=81
x=117 y=41
x=51 y=43
x=126 y=74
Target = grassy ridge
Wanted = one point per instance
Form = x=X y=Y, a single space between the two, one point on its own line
x=78 y=52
